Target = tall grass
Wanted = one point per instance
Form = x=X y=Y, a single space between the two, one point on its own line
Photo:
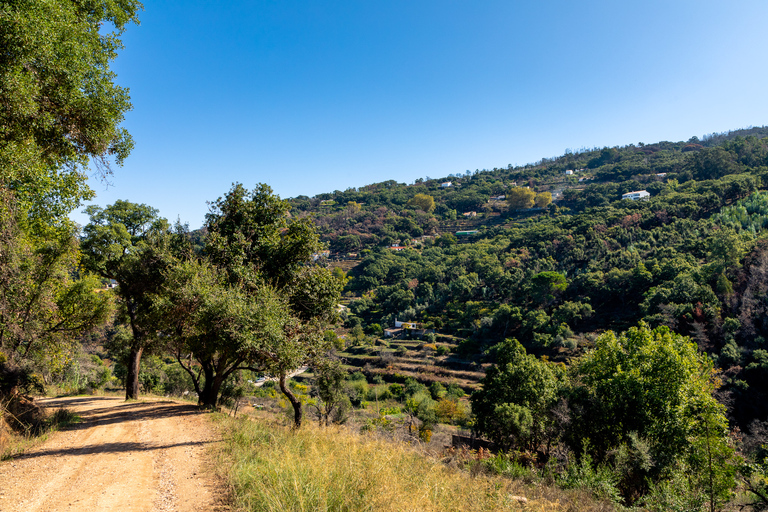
x=272 y=468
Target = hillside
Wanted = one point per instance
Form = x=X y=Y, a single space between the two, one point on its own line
x=690 y=257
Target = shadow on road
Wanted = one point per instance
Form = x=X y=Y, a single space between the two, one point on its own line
x=120 y=412
x=106 y=448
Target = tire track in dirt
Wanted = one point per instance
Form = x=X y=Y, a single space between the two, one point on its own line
x=148 y=456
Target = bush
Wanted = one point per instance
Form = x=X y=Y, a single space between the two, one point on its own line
x=582 y=474
x=454 y=391
x=503 y=464
x=437 y=390
x=357 y=391
x=396 y=390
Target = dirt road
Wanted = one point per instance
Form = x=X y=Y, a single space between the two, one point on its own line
x=139 y=456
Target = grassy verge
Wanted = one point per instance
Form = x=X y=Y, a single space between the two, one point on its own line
x=272 y=468
x=13 y=443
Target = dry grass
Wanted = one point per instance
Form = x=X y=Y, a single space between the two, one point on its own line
x=21 y=431
x=273 y=468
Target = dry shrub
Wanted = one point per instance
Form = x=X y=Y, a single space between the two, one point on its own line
x=22 y=414
x=6 y=435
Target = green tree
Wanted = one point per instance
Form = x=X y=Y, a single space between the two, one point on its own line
x=521 y=198
x=545 y=286
x=263 y=304
x=60 y=106
x=44 y=307
x=423 y=202
x=543 y=199
x=226 y=327
x=653 y=384
x=332 y=403
x=513 y=406
x=124 y=242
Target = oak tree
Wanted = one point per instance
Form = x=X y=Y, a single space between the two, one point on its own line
x=124 y=242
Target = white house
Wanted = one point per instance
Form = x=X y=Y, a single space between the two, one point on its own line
x=446 y=184
x=568 y=172
x=634 y=196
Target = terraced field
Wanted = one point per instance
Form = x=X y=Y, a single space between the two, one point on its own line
x=397 y=359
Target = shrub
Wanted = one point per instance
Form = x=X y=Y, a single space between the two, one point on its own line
x=437 y=390
x=357 y=391
x=454 y=391
x=582 y=474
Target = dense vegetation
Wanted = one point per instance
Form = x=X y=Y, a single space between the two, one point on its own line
x=552 y=278
x=615 y=345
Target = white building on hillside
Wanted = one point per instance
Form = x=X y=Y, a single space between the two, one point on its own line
x=634 y=196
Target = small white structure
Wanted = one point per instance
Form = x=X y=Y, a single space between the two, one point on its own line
x=322 y=254
x=637 y=195
x=568 y=172
x=446 y=184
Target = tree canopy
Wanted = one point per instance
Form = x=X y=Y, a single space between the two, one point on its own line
x=513 y=406
x=60 y=108
x=257 y=301
x=521 y=198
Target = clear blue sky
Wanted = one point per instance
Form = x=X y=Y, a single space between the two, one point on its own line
x=311 y=96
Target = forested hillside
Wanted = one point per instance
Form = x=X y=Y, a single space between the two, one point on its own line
x=691 y=257
x=547 y=328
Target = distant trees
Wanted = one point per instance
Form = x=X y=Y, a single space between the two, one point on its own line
x=423 y=202
x=520 y=198
x=543 y=199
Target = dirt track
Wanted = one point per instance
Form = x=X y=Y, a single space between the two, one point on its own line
x=138 y=456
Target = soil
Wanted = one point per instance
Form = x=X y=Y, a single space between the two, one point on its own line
x=150 y=455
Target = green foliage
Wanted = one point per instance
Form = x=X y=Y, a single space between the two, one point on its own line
x=520 y=198
x=437 y=390
x=513 y=406
x=256 y=301
x=542 y=199
x=652 y=384
x=129 y=243
x=332 y=405
x=61 y=107
x=44 y=306
x=423 y=202
x=582 y=473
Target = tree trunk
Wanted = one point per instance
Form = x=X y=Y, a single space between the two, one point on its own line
x=132 y=378
x=295 y=402
x=209 y=396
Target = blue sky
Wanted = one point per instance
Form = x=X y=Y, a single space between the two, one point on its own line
x=311 y=96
